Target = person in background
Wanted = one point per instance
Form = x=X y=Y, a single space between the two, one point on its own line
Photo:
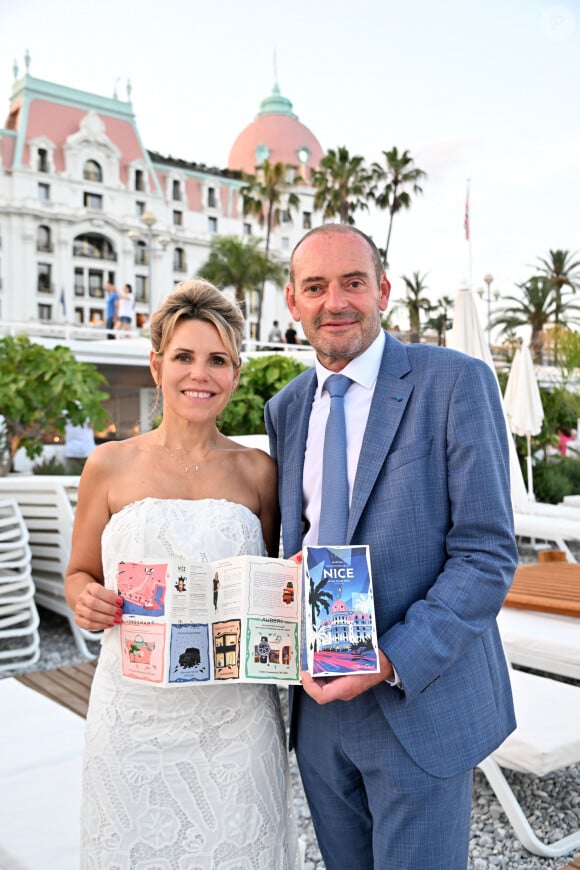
x=275 y=334
x=112 y=308
x=387 y=758
x=188 y=775
x=126 y=306
x=291 y=335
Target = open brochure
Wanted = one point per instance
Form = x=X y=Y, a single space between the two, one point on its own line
x=244 y=618
x=233 y=619
x=338 y=613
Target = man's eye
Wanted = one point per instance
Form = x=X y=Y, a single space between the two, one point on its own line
x=313 y=289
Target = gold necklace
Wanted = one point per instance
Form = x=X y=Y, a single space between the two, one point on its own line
x=184 y=465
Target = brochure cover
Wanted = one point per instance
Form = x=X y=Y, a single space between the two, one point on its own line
x=339 y=620
x=233 y=619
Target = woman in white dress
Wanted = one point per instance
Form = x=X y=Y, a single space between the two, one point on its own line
x=188 y=777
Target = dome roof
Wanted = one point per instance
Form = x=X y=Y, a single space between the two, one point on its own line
x=275 y=135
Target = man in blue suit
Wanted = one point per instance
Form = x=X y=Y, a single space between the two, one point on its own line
x=387 y=759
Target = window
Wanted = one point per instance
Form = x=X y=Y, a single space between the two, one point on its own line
x=306 y=220
x=79 y=316
x=43 y=240
x=45 y=312
x=141 y=294
x=178 y=218
x=141 y=258
x=42 y=160
x=44 y=278
x=285 y=243
x=93 y=201
x=247 y=229
x=44 y=192
x=212 y=225
x=139 y=208
x=79 y=282
x=139 y=180
x=96 y=317
x=179 y=260
x=92 y=171
x=96 y=283
x=94 y=245
x=211 y=197
x=285 y=216
x=176 y=191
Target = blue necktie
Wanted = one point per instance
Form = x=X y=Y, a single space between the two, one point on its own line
x=334 y=506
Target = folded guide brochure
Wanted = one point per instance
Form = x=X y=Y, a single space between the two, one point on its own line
x=244 y=618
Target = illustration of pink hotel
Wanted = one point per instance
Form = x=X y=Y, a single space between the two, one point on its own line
x=344 y=628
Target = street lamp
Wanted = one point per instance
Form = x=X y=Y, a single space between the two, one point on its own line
x=488 y=279
x=148 y=219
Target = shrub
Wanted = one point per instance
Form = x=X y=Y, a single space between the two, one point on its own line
x=53 y=465
x=557 y=478
x=260 y=379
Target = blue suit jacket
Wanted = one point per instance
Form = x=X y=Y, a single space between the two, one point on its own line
x=431 y=498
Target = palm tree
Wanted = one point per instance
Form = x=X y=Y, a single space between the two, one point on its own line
x=536 y=308
x=239 y=264
x=342 y=185
x=563 y=270
x=318 y=598
x=399 y=173
x=268 y=196
x=415 y=302
x=439 y=319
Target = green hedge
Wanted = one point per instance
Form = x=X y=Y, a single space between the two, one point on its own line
x=260 y=379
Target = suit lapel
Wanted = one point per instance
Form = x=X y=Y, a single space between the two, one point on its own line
x=387 y=408
x=295 y=435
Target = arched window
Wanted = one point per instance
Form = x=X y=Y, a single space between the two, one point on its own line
x=92 y=171
x=94 y=245
x=43 y=239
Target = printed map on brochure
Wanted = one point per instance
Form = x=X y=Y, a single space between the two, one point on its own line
x=233 y=619
x=339 y=620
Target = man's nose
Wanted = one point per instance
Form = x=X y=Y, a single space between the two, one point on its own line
x=336 y=299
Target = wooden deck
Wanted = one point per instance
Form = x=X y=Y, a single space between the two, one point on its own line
x=69 y=687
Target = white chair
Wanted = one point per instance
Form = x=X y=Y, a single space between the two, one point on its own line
x=543 y=641
x=546 y=739
x=47 y=504
x=549 y=527
x=19 y=637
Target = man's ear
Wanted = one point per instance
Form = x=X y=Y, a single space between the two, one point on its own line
x=291 y=302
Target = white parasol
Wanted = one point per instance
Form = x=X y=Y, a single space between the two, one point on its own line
x=523 y=403
x=468 y=336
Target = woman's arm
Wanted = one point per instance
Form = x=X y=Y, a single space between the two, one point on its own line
x=95 y=607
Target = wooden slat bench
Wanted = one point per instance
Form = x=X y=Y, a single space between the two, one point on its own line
x=69 y=686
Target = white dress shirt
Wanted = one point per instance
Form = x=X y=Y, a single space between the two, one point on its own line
x=363 y=370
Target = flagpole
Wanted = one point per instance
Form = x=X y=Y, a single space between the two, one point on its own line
x=468 y=234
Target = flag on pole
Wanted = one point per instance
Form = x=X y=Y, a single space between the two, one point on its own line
x=62 y=301
x=466 y=218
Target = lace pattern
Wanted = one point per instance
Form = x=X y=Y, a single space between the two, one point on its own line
x=188 y=777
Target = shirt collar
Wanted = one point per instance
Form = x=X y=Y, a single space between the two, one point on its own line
x=363 y=369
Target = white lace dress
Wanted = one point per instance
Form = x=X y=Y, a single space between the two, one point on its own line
x=184 y=777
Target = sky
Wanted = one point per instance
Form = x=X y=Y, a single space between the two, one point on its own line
x=484 y=95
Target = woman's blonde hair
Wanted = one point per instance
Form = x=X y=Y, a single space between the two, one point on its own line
x=199 y=300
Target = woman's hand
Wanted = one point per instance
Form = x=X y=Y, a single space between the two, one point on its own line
x=98 y=608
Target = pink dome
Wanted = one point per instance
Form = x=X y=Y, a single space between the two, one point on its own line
x=275 y=135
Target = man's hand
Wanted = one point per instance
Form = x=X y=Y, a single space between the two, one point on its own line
x=323 y=690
